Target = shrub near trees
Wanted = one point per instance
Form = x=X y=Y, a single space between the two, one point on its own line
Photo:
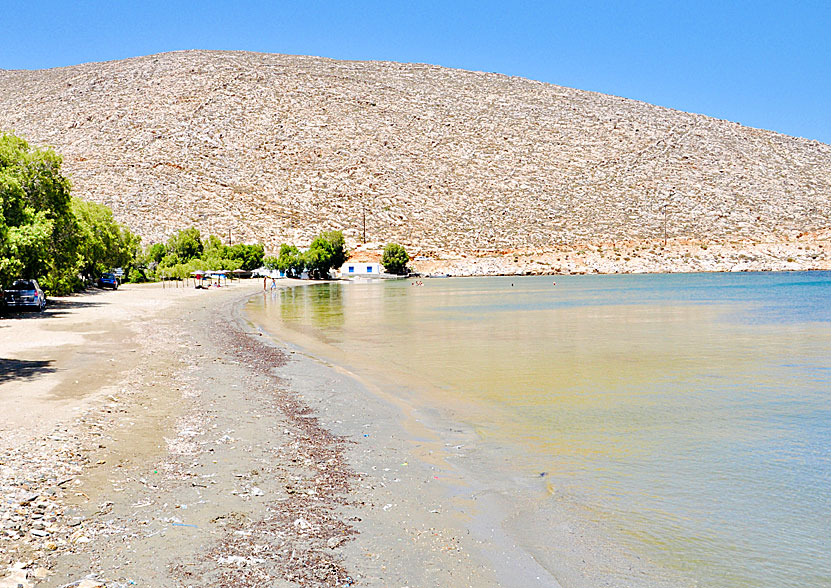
x=186 y=252
x=45 y=232
x=395 y=258
x=328 y=250
x=290 y=260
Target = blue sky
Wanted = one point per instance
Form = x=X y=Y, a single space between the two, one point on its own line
x=763 y=64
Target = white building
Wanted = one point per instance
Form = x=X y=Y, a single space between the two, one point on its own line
x=264 y=272
x=360 y=269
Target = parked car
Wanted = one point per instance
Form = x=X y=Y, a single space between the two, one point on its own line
x=25 y=294
x=108 y=281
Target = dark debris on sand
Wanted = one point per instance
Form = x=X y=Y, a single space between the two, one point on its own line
x=297 y=541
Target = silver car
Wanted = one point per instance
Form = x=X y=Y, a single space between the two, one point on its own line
x=25 y=294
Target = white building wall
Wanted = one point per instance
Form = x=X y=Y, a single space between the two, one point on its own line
x=360 y=269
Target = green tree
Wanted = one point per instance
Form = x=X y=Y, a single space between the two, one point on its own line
x=316 y=262
x=395 y=258
x=336 y=246
x=186 y=244
x=155 y=252
x=270 y=262
x=47 y=234
x=131 y=249
x=186 y=252
x=38 y=232
x=214 y=254
x=290 y=260
x=25 y=251
x=103 y=244
x=250 y=256
x=213 y=247
x=326 y=251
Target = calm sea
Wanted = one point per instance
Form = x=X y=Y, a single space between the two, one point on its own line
x=689 y=415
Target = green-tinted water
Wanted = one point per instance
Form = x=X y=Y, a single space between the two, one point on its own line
x=687 y=413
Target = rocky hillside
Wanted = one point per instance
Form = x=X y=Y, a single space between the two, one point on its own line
x=276 y=148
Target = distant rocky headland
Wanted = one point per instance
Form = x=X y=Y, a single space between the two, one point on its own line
x=475 y=173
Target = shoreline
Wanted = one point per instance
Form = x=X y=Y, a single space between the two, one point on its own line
x=192 y=440
x=166 y=422
x=194 y=463
x=419 y=495
x=499 y=519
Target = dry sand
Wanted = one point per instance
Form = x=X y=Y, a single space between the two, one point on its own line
x=153 y=437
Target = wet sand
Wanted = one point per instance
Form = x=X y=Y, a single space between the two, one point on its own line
x=154 y=437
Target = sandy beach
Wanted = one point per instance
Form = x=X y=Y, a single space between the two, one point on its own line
x=159 y=436
x=154 y=437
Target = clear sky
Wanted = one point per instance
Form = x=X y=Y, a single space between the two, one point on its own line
x=764 y=64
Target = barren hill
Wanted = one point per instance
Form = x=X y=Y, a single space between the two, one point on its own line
x=276 y=148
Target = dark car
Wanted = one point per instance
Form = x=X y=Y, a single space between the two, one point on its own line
x=25 y=294
x=108 y=281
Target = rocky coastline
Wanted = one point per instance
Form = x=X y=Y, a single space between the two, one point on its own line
x=627 y=257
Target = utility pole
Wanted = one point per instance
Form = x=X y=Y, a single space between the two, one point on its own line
x=666 y=204
x=363 y=207
x=229 y=235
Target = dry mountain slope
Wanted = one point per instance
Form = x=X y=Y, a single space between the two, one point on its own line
x=279 y=147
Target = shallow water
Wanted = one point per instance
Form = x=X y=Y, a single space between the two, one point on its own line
x=689 y=415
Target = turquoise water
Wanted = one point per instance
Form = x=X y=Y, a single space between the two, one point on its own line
x=690 y=415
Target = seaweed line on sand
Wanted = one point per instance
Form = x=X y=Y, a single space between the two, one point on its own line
x=301 y=532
